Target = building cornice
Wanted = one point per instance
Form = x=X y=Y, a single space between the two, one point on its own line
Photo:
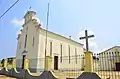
x=109 y=49
x=63 y=37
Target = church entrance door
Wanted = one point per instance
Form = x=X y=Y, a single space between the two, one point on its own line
x=117 y=66
x=55 y=62
x=23 y=60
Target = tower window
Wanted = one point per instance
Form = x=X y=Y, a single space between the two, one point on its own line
x=61 y=52
x=50 y=48
x=33 y=41
x=26 y=29
x=25 y=41
x=69 y=52
x=19 y=45
x=76 y=55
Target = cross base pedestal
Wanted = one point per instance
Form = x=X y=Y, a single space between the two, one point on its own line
x=88 y=75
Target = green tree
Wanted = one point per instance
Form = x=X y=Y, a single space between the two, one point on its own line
x=2 y=62
x=10 y=60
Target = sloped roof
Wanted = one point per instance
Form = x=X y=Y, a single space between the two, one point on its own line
x=64 y=37
x=110 y=48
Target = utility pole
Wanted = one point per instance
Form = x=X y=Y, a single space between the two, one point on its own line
x=47 y=29
x=45 y=62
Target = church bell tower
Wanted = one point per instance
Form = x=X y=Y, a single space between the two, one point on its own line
x=29 y=16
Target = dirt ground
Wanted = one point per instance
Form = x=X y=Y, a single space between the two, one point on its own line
x=75 y=74
x=5 y=77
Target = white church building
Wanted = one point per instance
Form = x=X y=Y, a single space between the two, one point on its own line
x=31 y=44
x=110 y=59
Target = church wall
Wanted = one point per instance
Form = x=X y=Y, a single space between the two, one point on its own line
x=108 y=59
x=56 y=42
x=32 y=49
x=21 y=41
x=56 y=50
x=36 y=53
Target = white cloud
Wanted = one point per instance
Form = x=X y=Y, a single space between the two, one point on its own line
x=17 y=22
x=92 y=43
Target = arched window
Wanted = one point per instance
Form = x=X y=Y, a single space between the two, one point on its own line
x=69 y=52
x=19 y=45
x=33 y=41
x=61 y=52
x=50 y=48
x=76 y=55
x=25 y=41
x=26 y=29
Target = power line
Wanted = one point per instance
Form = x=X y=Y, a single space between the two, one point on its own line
x=9 y=8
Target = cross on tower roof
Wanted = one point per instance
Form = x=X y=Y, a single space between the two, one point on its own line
x=86 y=37
x=30 y=8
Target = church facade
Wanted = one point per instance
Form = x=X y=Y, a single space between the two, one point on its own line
x=110 y=59
x=31 y=44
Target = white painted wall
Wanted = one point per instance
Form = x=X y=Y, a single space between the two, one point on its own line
x=36 y=53
x=56 y=50
x=32 y=53
x=108 y=59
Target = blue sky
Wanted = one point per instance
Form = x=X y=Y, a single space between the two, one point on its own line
x=67 y=17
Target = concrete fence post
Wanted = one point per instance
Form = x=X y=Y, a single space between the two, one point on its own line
x=26 y=63
x=48 y=62
x=5 y=64
x=88 y=62
x=14 y=63
x=88 y=74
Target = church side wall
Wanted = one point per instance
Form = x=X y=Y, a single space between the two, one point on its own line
x=56 y=51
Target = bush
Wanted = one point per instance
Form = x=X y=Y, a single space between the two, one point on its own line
x=2 y=62
x=10 y=60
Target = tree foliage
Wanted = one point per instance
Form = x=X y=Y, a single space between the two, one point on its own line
x=10 y=60
x=2 y=61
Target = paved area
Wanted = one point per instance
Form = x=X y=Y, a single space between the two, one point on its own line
x=1 y=67
x=5 y=77
x=75 y=74
x=102 y=74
